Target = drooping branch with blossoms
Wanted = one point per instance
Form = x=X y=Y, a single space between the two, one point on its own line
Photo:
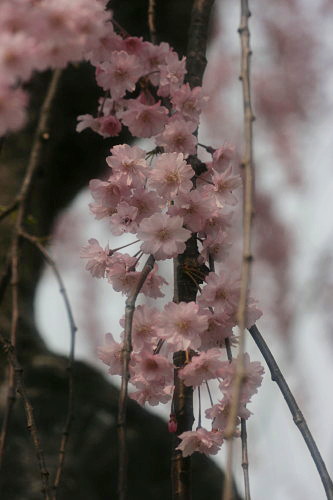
x=175 y=201
x=189 y=209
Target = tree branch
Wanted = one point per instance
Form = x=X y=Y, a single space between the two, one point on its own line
x=294 y=410
x=73 y=330
x=185 y=288
x=126 y=356
x=20 y=203
x=245 y=460
x=152 y=21
x=5 y=211
x=31 y=423
x=197 y=41
x=247 y=164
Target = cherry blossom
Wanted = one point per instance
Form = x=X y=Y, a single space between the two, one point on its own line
x=224 y=184
x=189 y=102
x=152 y=393
x=163 y=236
x=16 y=55
x=12 y=109
x=120 y=272
x=216 y=246
x=152 y=285
x=219 y=328
x=128 y=162
x=207 y=365
x=106 y=126
x=171 y=175
x=109 y=193
x=181 y=325
x=144 y=328
x=220 y=414
x=97 y=258
x=111 y=355
x=153 y=56
x=222 y=291
x=172 y=74
x=123 y=221
x=208 y=442
x=119 y=74
x=148 y=367
x=177 y=136
x=144 y=120
x=253 y=378
x=222 y=157
x=195 y=207
x=146 y=202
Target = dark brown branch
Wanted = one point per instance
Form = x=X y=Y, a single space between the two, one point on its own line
x=126 y=356
x=185 y=288
x=73 y=330
x=197 y=41
x=5 y=278
x=152 y=21
x=248 y=196
x=294 y=410
x=31 y=423
x=182 y=405
x=22 y=200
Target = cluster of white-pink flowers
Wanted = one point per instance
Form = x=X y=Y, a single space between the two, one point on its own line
x=39 y=34
x=160 y=196
x=151 y=195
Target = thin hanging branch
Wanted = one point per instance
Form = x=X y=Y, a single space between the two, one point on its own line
x=245 y=459
x=31 y=423
x=248 y=210
x=294 y=410
x=20 y=203
x=126 y=356
x=73 y=330
x=152 y=21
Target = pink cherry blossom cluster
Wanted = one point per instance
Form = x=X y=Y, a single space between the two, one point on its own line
x=39 y=34
x=162 y=199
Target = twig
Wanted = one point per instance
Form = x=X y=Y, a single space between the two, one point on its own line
x=247 y=164
x=4 y=212
x=245 y=460
x=209 y=394
x=294 y=410
x=5 y=279
x=152 y=21
x=228 y=349
x=199 y=409
x=126 y=355
x=73 y=330
x=31 y=423
x=22 y=199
